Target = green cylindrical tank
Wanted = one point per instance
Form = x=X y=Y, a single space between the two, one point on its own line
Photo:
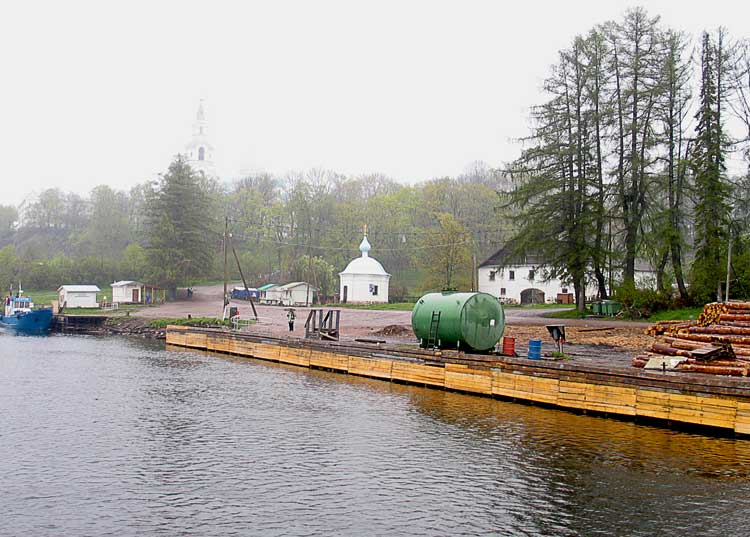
x=470 y=321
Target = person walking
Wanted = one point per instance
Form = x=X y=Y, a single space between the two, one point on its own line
x=290 y=317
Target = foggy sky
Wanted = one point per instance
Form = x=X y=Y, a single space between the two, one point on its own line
x=105 y=92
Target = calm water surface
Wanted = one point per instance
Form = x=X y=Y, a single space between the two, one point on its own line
x=122 y=437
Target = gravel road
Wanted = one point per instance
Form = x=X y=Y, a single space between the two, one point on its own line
x=526 y=323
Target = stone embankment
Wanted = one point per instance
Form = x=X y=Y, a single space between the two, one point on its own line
x=133 y=326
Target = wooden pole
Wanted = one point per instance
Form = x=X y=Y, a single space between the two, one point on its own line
x=474 y=275
x=242 y=275
x=729 y=266
x=226 y=234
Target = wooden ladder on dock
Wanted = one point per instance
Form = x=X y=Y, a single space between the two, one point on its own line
x=432 y=335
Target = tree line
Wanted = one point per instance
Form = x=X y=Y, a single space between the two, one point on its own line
x=303 y=226
x=626 y=161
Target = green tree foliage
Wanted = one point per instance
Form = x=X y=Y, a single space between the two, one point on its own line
x=636 y=45
x=8 y=220
x=181 y=227
x=446 y=258
x=672 y=111
x=609 y=174
x=712 y=191
x=107 y=232
x=10 y=268
x=317 y=272
x=135 y=261
x=558 y=175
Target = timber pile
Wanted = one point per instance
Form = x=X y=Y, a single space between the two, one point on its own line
x=717 y=343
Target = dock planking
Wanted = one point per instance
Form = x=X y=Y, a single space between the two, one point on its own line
x=688 y=398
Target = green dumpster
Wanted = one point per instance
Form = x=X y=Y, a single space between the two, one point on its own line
x=611 y=307
x=596 y=308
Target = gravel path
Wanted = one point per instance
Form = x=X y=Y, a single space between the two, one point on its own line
x=523 y=324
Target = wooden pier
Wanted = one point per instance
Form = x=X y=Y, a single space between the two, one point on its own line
x=82 y=324
x=627 y=392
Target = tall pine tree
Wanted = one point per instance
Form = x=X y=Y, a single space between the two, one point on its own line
x=180 y=228
x=712 y=190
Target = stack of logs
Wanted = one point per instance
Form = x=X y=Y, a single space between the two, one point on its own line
x=717 y=343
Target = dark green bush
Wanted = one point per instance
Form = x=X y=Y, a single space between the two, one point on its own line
x=640 y=303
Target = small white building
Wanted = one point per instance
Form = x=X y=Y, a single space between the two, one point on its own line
x=127 y=292
x=364 y=280
x=270 y=294
x=78 y=296
x=132 y=292
x=293 y=294
x=263 y=293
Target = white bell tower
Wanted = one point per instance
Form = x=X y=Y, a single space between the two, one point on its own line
x=199 y=152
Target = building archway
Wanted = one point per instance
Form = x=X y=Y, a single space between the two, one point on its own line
x=532 y=296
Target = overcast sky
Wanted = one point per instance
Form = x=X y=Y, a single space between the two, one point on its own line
x=106 y=92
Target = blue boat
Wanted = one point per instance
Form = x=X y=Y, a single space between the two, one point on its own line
x=21 y=316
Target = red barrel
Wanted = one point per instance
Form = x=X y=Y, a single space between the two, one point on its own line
x=509 y=346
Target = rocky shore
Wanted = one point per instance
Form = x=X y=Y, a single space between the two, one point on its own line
x=133 y=326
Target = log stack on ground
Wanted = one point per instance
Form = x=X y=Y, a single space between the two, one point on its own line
x=718 y=343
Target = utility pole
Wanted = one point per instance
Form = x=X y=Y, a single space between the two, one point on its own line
x=474 y=275
x=309 y=271
x=729 y=266
x=244 y=282
x=226 y=236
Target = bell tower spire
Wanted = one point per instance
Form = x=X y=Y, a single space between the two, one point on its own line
x=199 y=151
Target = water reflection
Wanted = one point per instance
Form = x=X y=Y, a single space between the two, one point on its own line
x=115 y=436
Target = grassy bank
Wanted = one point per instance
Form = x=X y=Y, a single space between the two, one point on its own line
x=538 y=306
x=399 y=306
x=183 y=321
x=682 y=314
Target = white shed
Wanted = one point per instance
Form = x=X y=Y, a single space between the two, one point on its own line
x=78 y=296
x=295 y=294
x=127 y=292
x=271 y=294
x=364 y=280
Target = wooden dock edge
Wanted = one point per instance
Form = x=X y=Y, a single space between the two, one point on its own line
x=696 y=401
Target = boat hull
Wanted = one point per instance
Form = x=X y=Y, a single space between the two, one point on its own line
x=29 y=322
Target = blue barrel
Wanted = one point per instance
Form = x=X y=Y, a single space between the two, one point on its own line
x=535 y=349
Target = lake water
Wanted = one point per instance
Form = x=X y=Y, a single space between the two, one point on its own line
x=122 y=437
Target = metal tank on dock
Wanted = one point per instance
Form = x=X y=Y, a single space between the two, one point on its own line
x=467 y=321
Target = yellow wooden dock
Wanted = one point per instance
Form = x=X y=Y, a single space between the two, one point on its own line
x=706 y=400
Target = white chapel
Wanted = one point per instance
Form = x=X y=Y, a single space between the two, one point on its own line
x=199 y=151
x=364 y=280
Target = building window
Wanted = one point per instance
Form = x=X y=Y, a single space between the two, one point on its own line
x=492 y=275
x=502 y=291
x=200 y=130
x=531 y=275
x=373 y=289
x=565 y=290
x=201 y=154
x=511 y=275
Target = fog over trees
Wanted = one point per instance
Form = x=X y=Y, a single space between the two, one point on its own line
x=306 y=225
